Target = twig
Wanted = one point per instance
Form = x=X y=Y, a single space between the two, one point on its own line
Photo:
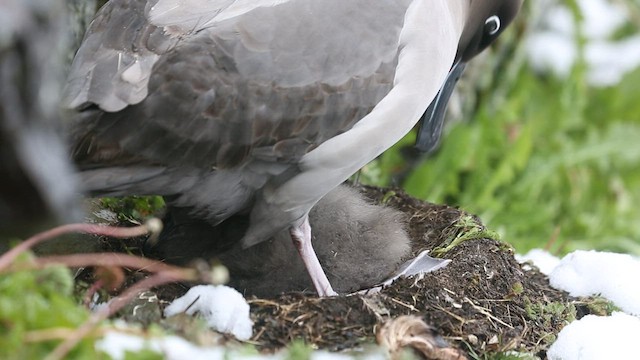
x=153 y=281
x=88 y=297
x=109 y=259
x=151 y=226
x=61 y=351
x=408 y=306
x=453 y=315
x=486 y=312
x=162 y=273
x=59 y=333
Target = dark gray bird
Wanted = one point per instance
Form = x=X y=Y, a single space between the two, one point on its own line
x=261 y=107
x=359 y=245
x=36 y=183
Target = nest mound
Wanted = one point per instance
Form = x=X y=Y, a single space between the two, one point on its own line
x=483 y=301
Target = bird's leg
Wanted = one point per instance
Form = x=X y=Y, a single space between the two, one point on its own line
x=301 y=236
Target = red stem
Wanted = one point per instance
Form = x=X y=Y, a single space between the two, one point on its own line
x=112 y=231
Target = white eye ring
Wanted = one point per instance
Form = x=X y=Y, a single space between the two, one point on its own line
x=494 y=22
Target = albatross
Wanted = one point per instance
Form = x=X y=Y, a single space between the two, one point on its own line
x=262 y=107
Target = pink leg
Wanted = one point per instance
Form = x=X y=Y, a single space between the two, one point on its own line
x=301 y=236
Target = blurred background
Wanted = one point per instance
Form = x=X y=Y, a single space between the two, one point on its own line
x=543 y=134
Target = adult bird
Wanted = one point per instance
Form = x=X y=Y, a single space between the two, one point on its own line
x=261 y=106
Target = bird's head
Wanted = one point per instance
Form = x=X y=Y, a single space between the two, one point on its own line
x=486 y=20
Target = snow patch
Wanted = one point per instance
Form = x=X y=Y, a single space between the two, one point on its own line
x=116 y=344
x=614 y=276
x=542 y=259
x=224 y=309
x=596 y=338
x=552 y=45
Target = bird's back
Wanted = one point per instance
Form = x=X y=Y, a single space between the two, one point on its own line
x=212 y=107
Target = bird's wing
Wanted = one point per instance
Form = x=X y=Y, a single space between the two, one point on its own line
x=189 y=15
x=127 y=37
x=255 y=79
x=112 y=67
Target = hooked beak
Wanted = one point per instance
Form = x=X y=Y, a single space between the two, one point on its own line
x=433 y=119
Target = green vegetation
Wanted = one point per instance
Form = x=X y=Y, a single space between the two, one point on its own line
x=37 y=310
x=550 y=313
x=298 y=350
x=598 y=305
x=133 y=208
x=466 y=228
x=551 y=316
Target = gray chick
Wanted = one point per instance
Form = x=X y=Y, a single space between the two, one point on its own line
x=358 y=244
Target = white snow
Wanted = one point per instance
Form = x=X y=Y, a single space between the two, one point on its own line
x=544 y=261
x=614 y=276
x=224 y=309
x=552 y=44
x=609 y=61
x=116 y=344
x=585 y=273
x=598 y=338
x=323 y=355
x=548 y=51
x=601 y=17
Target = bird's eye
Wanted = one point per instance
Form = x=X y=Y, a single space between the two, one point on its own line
x=492 y=25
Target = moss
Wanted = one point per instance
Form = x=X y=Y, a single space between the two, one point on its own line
x=134 y=208
x=550 y=318
x=596 y=305
x=466 y=228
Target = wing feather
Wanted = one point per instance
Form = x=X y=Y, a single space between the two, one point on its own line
x=113 y=66
x=268 y=84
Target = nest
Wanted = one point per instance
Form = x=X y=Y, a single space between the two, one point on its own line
x=483 y=301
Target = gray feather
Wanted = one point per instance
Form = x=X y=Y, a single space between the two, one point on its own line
x=242 y=100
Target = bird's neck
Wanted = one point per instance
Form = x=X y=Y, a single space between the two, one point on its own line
x=427 y=48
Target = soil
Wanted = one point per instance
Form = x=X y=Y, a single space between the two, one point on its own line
x=483 y=301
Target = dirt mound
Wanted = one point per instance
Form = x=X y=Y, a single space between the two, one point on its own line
x=483 y=301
